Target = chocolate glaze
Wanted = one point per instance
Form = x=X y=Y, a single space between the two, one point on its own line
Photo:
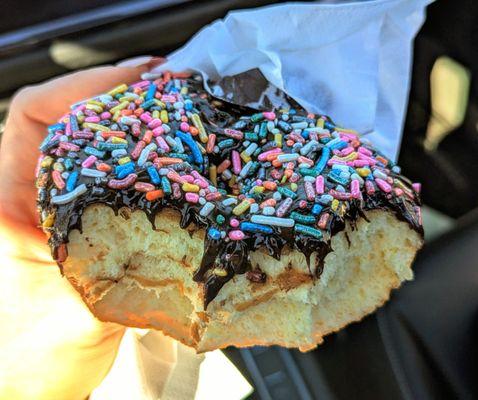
x=232 y=257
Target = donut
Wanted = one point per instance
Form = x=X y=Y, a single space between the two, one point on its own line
x=171 y=209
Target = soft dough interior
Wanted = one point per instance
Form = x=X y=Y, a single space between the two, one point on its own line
x=130 y=274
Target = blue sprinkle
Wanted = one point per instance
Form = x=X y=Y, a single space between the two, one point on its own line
x=214 y=233
x=74 y=123
x=256 y=228
x=337 y=178
x=328 y=125
x=91 y=151
x=153 y=174
x=339 y=145
x=68 y=163
x=111 y=146
x=188 y=105
x=122 y=171
x=189 y=141
x=45 y=144
x=71 y=181
x=151 y=92
x=56 y=127
x=323 y=160
x=316 y=209
x=166 y=185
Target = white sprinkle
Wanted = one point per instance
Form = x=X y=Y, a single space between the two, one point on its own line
x=379 y=174
x=245 y=169
x=119 y=153
x=163 y=171
x=277 y=196
x=270 y=126
x=300 y=125
x=129 y=120
x=317 y=130
x=341 y=167
x=268 y=211
x=305 y=165
x=313 y=144
x=171 y=141
x=166 y=128
x=251 y=149
x=287 y=157
x=206 y=209
x=309 y=179
x=202 y=201
x=92 y=173
x=65 y=175
x=285 y=117
x=340 y=188
x=179 y=145
x=358 y=178
x=273 y=221
x=226 y=174
x=254 y=209
x=143 y=157
x=229 y=201
x=396 y=169
x=325 y=199
x=66 y=198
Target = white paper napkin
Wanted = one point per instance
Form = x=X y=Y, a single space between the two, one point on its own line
x=348 y=60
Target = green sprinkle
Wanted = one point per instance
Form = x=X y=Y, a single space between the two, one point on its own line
x=307 y=230
x=220 y=219
x=287 y=192
x=302 y=219
x=257 y=117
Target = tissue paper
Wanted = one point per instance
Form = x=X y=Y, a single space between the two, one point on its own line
x=350 y=61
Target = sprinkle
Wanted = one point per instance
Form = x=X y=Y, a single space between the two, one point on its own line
x=383 y=185
x=303 y=219
x=69 y=197
x=92 y=173
x=206 y=209
x=154 y=195
x=122 y=183
x=241 y=208
x=191 y=197
x=272 y=221
x=71 y=181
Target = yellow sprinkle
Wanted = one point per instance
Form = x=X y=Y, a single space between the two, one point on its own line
x=219 y=272
x=48 y=221
x=320 y=123
x=96 y=127
x=363 y=172
x=46 y=162
x=128 y=97
x=95 y=102
x=160 y=104
x=116 y=115
x=259 y=189
x=232 y=181
x=241 y=208
x=201 y=148
x=335 y=204
x=284 y=179
x=124 y=160
x=120 y=106
x=118 y=89
x=80 y=118
x=189 y=187
x=116 y=139
x=278 y=139
x=213 y=174
x=198 y=124
x=58 y=166
x=293 y=186
x=245 y=157
x=164 y=116
x=155 y=114
x=94 y=107
x=352 y=131
x=184 y=90
x=350 y=157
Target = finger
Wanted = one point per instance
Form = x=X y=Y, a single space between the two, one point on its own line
x=48 y=101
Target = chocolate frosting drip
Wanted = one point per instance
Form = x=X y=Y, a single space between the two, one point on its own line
x=222 y=258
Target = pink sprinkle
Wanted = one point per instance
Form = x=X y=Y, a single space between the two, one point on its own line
x=294 y=178
x=332 y=162
x=305 y=160
x=188 y=178
x=234 y=222
x=236 y=162
x=158 y=131
x=361 y=163
x=105 y=115
x=364 y=150
x=140 y=84
x=236 y=235
x=69 y=146
x=319 y=184
x=263 y=156
x=355 y=188
x=269 y=115
x=362 y=156
x=201 y=183
x=168 y=98
x=93 y=119
x=162 y=143
x=302 y=204
x=383 y=185
x=144 y=187
x=191 y=197
x=340 y=195
x=184 y=126
x=89 y=161
x=175 y=177
x=417 y=187
x=398 y=191
x=213 y=196
x=233 y=133
x=146 y=117
x=138 y=149
x=370 y=187
x=154 y=123
x=345 y=152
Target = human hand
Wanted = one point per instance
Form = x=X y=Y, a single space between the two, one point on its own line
x=51 y=347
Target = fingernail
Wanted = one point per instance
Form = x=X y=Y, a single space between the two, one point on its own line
x=135 y=61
